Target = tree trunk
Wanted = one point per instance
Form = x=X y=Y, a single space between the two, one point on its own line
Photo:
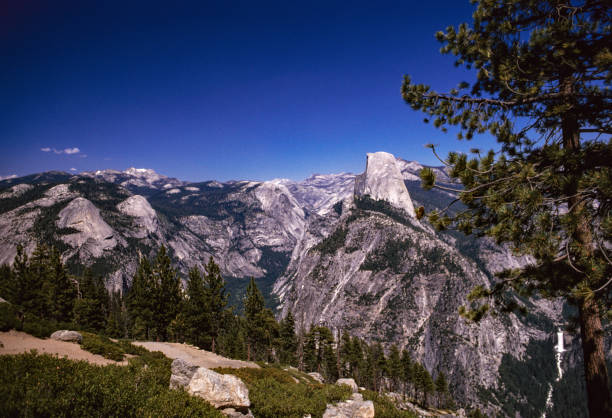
x=591 y=331
x=595 y=371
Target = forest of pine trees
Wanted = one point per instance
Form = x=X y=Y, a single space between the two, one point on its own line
x=44 y=297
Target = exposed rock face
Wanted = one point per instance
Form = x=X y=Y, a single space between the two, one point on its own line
x=393 y=279
x=383 y=180
x=182 y=372
x=93 y=233
x=355 y=407
x=16 y=191
x=320 y=192
x=222 y=391
x=349 y=382
x=66 y=335
x=146 y=218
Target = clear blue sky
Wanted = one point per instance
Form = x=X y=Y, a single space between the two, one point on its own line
x=219 y=90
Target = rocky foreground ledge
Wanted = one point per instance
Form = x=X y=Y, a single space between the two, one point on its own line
x=230 y=395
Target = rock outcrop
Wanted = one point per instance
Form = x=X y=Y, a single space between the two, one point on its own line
x=355 y=407
x=222 y=391
x=69 y=336
x=93 y=233
x=145 y=216
x=316 y=376
x=383 y=180
x=350 y=383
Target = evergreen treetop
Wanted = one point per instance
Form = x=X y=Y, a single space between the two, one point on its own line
x=542 y=89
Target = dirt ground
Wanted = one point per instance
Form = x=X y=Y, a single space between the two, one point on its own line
x=194 y=355
x=15 y=342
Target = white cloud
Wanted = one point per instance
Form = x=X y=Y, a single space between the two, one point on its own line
x=73 y=169
x=10 y=176
x=68 y=151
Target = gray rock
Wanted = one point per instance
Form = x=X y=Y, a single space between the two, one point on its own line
x=317 y=376
x=182 y=372
x=355 y=407
x=221 y=390
x=383 y=180
x=232 y=413
x=348 y=382
x=66 y=335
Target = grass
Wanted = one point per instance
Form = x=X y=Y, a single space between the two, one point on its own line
x=274 y=392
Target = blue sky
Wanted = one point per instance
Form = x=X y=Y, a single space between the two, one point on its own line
x=219 y=90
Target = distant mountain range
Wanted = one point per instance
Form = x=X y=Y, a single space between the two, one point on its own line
x=336 y=249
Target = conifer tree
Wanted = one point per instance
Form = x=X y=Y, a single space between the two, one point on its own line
x=544 y=69
x=60 y=290
x=167 y=295
x=407 y=371
x=288 y=341
x=140 y=301
x=217 y=299
x=394 y=366
x=441 y=386
x=196 y=308
x=254 y=310
x=90 y=311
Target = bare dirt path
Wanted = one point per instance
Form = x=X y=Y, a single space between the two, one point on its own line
x=15 y=342
x=194 y=355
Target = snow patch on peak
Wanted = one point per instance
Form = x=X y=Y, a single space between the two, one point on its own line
x=383 y=180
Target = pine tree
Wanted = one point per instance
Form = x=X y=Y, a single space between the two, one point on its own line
x=90 y=311
x=217 y=299
x=288 y=341
x=254 y=310
x=167 y=296
x=140 y=301
x=196 y=309
x=394 y=367
x=60 y=289
x=544 y=68
x=441 y=386
x=407 y=371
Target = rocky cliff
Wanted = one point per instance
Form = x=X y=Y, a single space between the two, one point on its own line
x=340 y=250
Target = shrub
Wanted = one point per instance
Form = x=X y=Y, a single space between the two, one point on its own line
x=98 y=344
x=384 y=407
x=274 y=393
x=33 y=385
x=8 y=317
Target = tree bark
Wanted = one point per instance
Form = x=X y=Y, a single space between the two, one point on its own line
x=591 y=331
x=595 y=370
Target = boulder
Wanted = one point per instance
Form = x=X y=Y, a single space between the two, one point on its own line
x=232 y=413
x=223 y=391
x=316 y=376
x=66 y=335
x=348 y=382
x=355 y=407
x=182 y=372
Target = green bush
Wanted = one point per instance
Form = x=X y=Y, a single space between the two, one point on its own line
x=274 y=393
x=41 y=328
x=98 y=344
x=384 y=407
x=43 y=385
x=8 y=317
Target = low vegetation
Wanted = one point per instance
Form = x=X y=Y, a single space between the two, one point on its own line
x=275 y=393
x=42 y=385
